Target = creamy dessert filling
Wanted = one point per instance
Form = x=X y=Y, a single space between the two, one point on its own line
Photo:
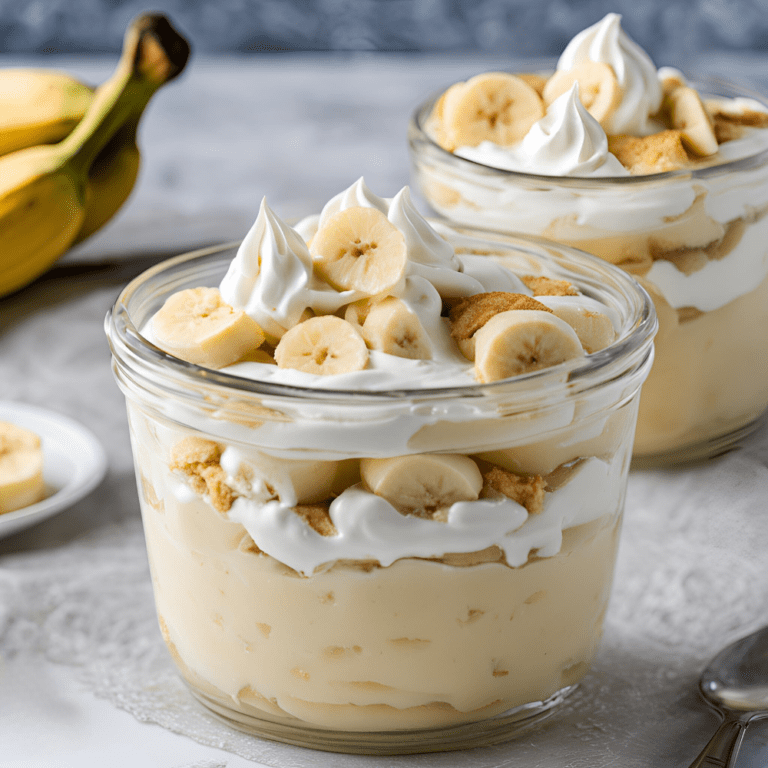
x=323 y=552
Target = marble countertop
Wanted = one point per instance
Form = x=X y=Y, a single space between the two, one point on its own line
x=84 y=675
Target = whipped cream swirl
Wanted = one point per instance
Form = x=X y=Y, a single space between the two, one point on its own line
x=607 y=43
x=269 y=276
x=567 y=141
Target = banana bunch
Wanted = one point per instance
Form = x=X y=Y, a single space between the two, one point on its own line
x=68 y=152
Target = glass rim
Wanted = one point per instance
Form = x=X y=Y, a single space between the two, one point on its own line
x=627 y=354
x=424 y=109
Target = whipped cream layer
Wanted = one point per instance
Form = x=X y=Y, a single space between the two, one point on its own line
x=572 y=212
x=567 y=141
x=370 y=528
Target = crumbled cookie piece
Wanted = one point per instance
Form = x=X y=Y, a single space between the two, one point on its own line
x=473 y=312
x=199 y=460
x=492 y=554
x=690 y=260
x=687 y=260
x=752 y=118
x=656 y=153
x=546 y=286
x=725 y=130
x=317 y=517
x=247 y=544
x=686 y=314
x=527 y=490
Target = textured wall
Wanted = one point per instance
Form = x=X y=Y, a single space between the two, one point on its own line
x=670 y=30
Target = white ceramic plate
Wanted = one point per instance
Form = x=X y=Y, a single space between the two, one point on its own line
x=74 y=463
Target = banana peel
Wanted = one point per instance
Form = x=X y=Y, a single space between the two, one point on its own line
x=54 y=195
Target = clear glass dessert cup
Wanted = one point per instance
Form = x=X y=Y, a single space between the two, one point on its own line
x=696 y=239
x=360 y=655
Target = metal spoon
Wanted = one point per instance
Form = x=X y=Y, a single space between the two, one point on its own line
x=736 y=683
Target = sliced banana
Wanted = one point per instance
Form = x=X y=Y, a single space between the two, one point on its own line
x=494 y=106
x=392 y=328
x=599 y=90
x=324 y=345
x=257 y=356
x=438 y=116
x=198 y=326
x=360 y=249
x=357 y=312
x=594 y=328
x=523 y=340
x=21 y=468
x=423 y=484
x=688 y=114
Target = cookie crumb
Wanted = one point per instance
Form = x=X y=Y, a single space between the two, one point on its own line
x=473 y=312
x=546 y=286
x=199 y=460
x=657 y=153
x=525 y=490
x=752 y=118
x=317 y=517
x=726 y=130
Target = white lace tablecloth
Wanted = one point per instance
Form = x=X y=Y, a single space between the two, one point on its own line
x=83 y=669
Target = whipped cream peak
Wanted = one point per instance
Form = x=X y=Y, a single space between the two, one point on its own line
x=607 y=43
x=424 y=245
x=567 y=141
x=357 y=195
x=269 y=275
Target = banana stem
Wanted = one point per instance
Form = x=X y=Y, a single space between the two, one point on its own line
x=153 y=53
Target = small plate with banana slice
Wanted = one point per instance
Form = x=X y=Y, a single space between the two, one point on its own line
x=47 y=463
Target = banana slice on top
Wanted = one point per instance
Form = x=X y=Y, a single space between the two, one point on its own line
x=359 y=249
x=21 y=467
x=523 y=340
x=593 y=327
x=324 y=345
x=438 y=116
x=688 y=114
x=389 y=326
x=425 y=483
x=599 y=90
x=198 y=326
x=494 y=106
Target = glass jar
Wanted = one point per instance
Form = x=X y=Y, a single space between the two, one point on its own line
x=491 y=614
x=696 y=239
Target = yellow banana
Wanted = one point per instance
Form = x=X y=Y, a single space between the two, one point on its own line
x=111 y=178
x=44 y=189
x=116 y=168
x=39 y=106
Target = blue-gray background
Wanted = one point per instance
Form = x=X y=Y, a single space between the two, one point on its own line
x=670 y=30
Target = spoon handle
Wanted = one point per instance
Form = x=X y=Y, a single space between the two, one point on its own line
x=723 y=746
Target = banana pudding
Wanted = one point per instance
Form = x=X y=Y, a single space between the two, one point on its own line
x=382 y=468
x=666 y=178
